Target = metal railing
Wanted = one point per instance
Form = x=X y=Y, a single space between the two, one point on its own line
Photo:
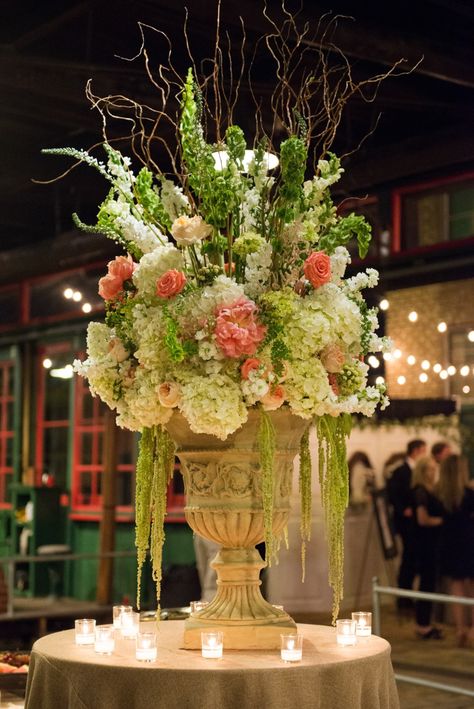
x=377 y=591
x=11 y=561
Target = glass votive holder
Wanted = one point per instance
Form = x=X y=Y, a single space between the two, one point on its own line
x=104 y=639
x=346 y=632
x=129 y=624
x=197 y=606
x=117 y=615
x=84 y=630
x=291 y=648
x=145 y=649
x=363 y=623
x=212 y=645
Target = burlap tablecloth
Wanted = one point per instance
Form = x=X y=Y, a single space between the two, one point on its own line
x=64 y=676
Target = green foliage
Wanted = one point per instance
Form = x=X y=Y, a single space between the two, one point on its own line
x=110 y=233
x=293 y=157
x=147 y=196
x=305 y=496
x=346 y=228
x=143 y=482
x=266 y=445
x=173 y=344
x=235 y=142
x=119 y=316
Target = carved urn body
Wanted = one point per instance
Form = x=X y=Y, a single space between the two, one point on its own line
x=224 y=503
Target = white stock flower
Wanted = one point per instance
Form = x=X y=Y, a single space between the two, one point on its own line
x=141 y=234
x=173 y=199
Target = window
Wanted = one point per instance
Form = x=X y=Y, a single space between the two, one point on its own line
x=435 y=213
x=461 y=358
x=7 y=369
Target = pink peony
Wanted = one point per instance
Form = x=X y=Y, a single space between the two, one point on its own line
x=170 y=284
x=169 y=394
x=332 y=358
x=119 y=270
x=237 y=330
x=273 y=399
x=317 y=268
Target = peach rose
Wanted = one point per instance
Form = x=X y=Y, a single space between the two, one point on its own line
x=169 y=394
x=119 y=270
x=189 y=230
x=170 y=284
x=317 y=268
x=249 y=366
x=332 y=358
x=117 y=350
x=274 y=399
x=237 y=330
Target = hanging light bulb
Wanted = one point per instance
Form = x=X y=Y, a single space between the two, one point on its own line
x=373 y=361
x=470 y=336
x=423 y=377
x=380 y=380
x=401 y=380
x=397 y=353
x=413 y=316
x=411 y=360
x=464 y=371
x=425 y=364
x=466 y=389
x=437 y=368
x=384 y=304
x=68 y=293
x=47 y=363
x=451 y=370
x=442 y=327
x=443 y=374
x=387 y=356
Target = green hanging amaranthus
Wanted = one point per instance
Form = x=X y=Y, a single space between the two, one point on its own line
x=155 y=467
x=305 y=496
x=334 y=482
x=266 y=444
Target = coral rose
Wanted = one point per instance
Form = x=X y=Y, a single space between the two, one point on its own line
x=237 y=330
x=169 y=394
x=170 y=284
x=274 y=399
x=332 y=358
x=317 y=268
x=250 y=365
x=117 y=350
x=119 y=270
x=189 y=230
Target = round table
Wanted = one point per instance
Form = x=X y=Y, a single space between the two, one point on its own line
x=65 y=676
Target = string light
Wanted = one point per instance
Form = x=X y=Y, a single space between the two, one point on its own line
x=451 y=370
x=413 y=316
x=464 y=371
x=68 y=293
x=425 y=364
x=411 y=360
x=373 y=361
x=77 y=296
x=47 y=363
x=423 y=377
x=384 y=304
x=401 y=380
x=443 y=374
x=466 y=389
x=437 y=368
x=387 y=356
x=86 y=308
x=397 y=354
x=442 y=327
x=380 y=380
x=470 y=336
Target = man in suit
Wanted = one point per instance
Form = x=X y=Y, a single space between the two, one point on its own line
x=399 y=495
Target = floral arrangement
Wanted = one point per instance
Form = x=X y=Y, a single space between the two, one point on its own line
x=232 y=295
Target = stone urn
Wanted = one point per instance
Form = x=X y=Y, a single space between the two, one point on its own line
x=223 y=485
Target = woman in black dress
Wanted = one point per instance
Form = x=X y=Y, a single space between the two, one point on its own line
x=457 y=540
x=427 y=515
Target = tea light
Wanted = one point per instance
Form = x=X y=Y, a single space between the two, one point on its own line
x=117 y=615
x=84 y=631
x=104 y=639
x=197 y=606
x=129 y=624
x=291 y=648
x=146 y=647
x=212 y=644
x=363 y=624
x=346 y=632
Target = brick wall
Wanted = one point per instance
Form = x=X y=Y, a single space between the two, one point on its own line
x=451 y=302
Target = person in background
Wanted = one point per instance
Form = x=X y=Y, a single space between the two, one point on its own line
x=440 y=451
x=361 y=478
x=457 y=540
x=428 y=518
x=393 y=461
x=399 y=496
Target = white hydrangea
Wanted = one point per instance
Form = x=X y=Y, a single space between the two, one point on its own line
x=308 y=331
x=140 y=407
x=147 y=330
x=173 y=199
x=153 y=265
x=257 y=270
x=213 y=405
x=254 y=388
x=136 y=231
x=342 y=313
x=307 y=388
x=223 y=291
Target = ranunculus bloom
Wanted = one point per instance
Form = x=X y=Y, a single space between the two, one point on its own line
x=249 y=365
x=317 y=268
x=189 y=230
x=119 y=270
x=117 y=350
x=274 y=399
x=237 y=330
x=170 y=284
x=169 y=394
x=332 y=358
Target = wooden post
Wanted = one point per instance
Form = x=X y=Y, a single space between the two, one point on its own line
x=107 y=523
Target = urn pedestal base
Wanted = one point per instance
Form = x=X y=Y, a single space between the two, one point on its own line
x=239 y=610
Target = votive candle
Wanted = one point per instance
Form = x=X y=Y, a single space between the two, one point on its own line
x=212 y=645
x=363 y=624
x=129 y=623
x=117 y=615
x=346 y=632
x=291 y=648
x=104 y=639
x=146 y=647
x=84 y=629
